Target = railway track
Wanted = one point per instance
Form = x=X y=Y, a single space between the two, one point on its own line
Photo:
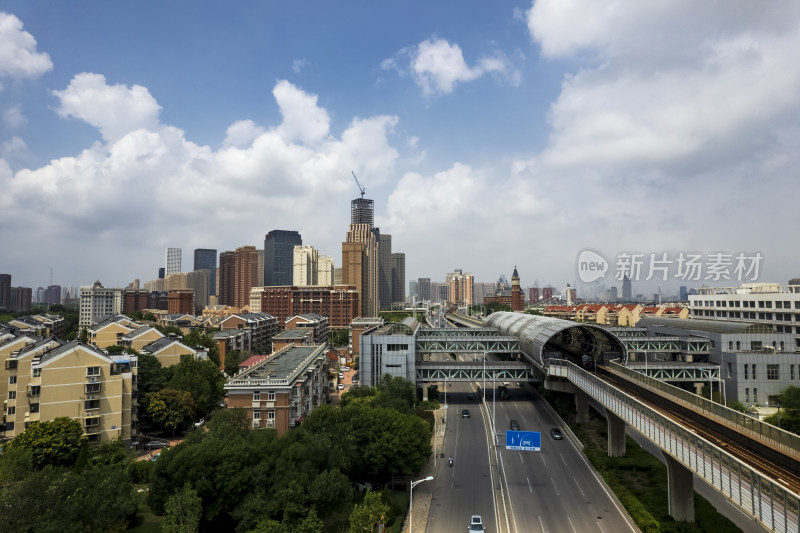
x=770 y=462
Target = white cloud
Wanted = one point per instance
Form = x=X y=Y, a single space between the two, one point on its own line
x=151 y=185
x=14 y=118
x=298 y=65
x=113 y=109
x=15 y=149
x=437 y=66
x=303 y=120
x=19 y=58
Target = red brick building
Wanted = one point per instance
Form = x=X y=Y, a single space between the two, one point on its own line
x=180 y=301
x=339 y=303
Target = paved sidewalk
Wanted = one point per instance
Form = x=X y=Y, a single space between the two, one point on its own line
x=423 y=492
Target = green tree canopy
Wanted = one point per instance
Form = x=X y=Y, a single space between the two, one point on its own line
x=182 y=512
x=367 y=516
x=57 y=442
x=202 y=379
x=169 y=408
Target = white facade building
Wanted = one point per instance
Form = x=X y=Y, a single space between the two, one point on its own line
x=762 y=303
x=99 y=303
x=304 y=266
x=325 y=270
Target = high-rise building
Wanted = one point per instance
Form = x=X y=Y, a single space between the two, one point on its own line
x=21 y=298
x=683 y=293
x=172 y=262
x=99 y=303
x=517 y=297
x=52 y=295
x=423 y=289
x=260 y=269
x=206 y=259
x=279 y=255
x=325 y=271
x=461 y=288
x=5 y=291
x=533 y=295
x=305 y=266
x=246 y=275
x=547 y=294
x=362 y=211
x=198 y=282
x=385 y=265
x=627 y=292
x=360 y=266
x=227 y=278
x=398 y=277
x=412 y=289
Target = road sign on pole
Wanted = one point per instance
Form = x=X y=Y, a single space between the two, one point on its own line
x=525 y=441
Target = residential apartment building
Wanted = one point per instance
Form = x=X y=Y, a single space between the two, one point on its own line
x=246 y=275
x=167 y=350
x=280 y=391
x=180 y=301
x=141 y=337
x=99 y=303
x=134 y=300
x=262 y=328
x=325 y=271
x=111 y=331
x=763 y=303
x=305 y=265
x=339 y=303
x=360 y=266
x=229 y=340
x=316 y=324
x=75 y=381
x=226 y=295
x=42 y=325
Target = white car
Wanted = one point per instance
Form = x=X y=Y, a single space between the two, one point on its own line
x=476 y=524
x=341 y=386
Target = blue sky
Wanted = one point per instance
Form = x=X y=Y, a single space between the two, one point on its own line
x=489 y=134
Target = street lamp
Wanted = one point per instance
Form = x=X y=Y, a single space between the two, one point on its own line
x=411 y=501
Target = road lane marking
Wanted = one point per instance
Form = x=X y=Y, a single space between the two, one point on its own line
x=541 y=524
x=579 y=487
x=570 y=524
x=554 y=486
x=529 y=485
x=562 y=458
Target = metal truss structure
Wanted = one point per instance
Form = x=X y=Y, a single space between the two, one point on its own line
x=497 y=371
x=693 y=372
x=690 y=345
x=467 y=344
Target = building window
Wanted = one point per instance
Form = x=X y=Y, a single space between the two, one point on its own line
x=12 y=380
x=256 y=415
x=745 y=371
x=756 y=346
x=271 y=396
x=730 y=369
x=36 y=390
x=92 y=422
x=753 y=369
x=257 y=396
x=12 y=394
x=11 y=410
x=747 y=395
x=730 y=345
x=791 y=372
x=92 y=370
x=36 y=372
x=92 y=388
x=34 y=408
x=755 y=395
x=271 y=415
x=773 y=372
x=738 y=345
x=91 y=404
x=782 y=346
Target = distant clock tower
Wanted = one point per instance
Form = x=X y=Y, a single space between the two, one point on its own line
x=517 y=298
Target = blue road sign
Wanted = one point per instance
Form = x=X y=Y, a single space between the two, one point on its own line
x=526 y=441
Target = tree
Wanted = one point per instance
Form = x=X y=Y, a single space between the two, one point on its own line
x=152 y=376
x=395 y=393
x=367 y=516
x=232 y=360
x=202 y=379
x=58 y=442
x=182 y=512
x=330 y=490
x=204 y=339
x=169 y=408
x=339 y=337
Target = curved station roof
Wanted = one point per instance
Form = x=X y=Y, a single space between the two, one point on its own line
x=541 y=336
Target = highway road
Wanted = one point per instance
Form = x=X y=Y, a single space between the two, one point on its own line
x=550 y=491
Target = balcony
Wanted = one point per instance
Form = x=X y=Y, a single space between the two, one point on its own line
x=270 y=424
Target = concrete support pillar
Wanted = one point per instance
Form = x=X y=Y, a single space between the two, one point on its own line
x=680 y=490
x=424 y=392
x=616 y=435
x=581 y=406
x=698 y=388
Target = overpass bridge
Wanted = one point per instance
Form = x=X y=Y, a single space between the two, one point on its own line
x=547 y=344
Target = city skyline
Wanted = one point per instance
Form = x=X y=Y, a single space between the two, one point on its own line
x=511 y=133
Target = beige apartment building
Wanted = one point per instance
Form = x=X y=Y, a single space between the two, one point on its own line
x=73 y=380
x=281 y=390
x=141 y=337
x=111 y=331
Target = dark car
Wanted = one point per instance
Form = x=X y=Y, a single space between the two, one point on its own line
x=465 y=413
x=513 y=425
x=471 y=396
x=556 y=434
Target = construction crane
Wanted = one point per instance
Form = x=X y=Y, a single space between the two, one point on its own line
x=362 y=189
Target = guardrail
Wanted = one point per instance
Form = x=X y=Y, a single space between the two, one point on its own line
x=767 y=434
x=773 y=505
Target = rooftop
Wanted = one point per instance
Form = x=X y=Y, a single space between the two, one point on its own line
x=283 y=365
x=715 y=326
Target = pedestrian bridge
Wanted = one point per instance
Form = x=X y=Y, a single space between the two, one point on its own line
x=489 y=371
